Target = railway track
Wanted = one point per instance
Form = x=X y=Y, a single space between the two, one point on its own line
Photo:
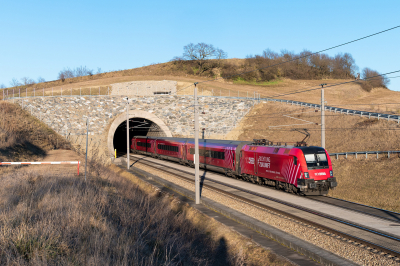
x=368 y=210
x=378 y=241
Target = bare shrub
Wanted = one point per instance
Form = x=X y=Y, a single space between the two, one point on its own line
x=27 y=81
x=372 y=79
x=305 y=65
x=15 y=83
x=47 y=219
x=41 y=80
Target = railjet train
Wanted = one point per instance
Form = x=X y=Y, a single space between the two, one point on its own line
x=297 y=169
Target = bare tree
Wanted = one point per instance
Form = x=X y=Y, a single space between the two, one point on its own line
x=41 y=80
x=61 y=76
x=221 y=54
x=65 y=74
x=82 y=71
x=200 y=53
x=27 y=81
x=15 y=83
x=2 y=86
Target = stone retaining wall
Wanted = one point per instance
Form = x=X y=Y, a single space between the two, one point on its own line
x=66 y=115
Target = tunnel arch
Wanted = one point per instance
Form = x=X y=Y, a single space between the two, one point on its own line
x=137 y=118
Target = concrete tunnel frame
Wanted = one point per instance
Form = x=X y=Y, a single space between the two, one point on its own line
x=133 y=114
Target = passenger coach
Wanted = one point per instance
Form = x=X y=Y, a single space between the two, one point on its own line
x=297 y=169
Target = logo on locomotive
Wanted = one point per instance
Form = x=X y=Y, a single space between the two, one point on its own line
x=264 y=162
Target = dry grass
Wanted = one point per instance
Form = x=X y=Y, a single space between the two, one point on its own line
x=23 y=136
x=273 y=121
x=373 y=182
x=60 y=219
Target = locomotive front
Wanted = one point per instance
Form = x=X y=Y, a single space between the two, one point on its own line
x=317 y=176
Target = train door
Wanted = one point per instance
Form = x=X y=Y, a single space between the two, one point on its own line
x=255 y=163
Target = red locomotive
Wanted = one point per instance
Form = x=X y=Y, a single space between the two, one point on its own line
x=298 y=169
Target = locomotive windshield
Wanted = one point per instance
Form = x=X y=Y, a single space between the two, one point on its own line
x=316 y=161
x=315 y=158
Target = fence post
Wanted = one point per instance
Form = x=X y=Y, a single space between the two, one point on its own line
x=366 y=155
x=388 y=117
x=377 y=155
x=378 y=116
x=356 y=155
x=388 y=154
x=337 y=156
x=346 y=155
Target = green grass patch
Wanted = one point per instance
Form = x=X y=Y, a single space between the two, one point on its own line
x=242 y=81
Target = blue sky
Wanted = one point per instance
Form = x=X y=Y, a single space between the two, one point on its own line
x=40 y=38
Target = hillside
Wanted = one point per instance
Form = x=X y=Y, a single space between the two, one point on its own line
x=23 y=137
x=350 y=95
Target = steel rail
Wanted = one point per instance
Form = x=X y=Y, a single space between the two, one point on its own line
x=390 y=215
x=292 y=216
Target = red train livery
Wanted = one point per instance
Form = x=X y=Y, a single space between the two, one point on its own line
x=298 y=169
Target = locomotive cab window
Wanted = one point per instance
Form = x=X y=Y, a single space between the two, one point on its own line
x=316 y=160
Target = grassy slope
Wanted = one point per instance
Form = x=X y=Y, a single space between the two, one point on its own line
x=52 y=217
x=23 y=137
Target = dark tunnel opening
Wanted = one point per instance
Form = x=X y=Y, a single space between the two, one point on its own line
x=137 y=127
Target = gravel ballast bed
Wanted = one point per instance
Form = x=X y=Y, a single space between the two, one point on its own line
x=357 y=254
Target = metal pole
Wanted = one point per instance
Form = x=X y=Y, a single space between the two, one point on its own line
x=196 y=145
x=127 y=133
x=87 y=138
x=322 y=119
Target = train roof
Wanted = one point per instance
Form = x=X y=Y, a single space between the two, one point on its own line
x=190 y=140
x=312 y=149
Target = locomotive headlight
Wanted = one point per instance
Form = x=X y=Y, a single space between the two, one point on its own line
x=306 y=175
x=331 y=173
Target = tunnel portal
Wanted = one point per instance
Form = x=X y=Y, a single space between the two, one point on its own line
x=137 y=127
